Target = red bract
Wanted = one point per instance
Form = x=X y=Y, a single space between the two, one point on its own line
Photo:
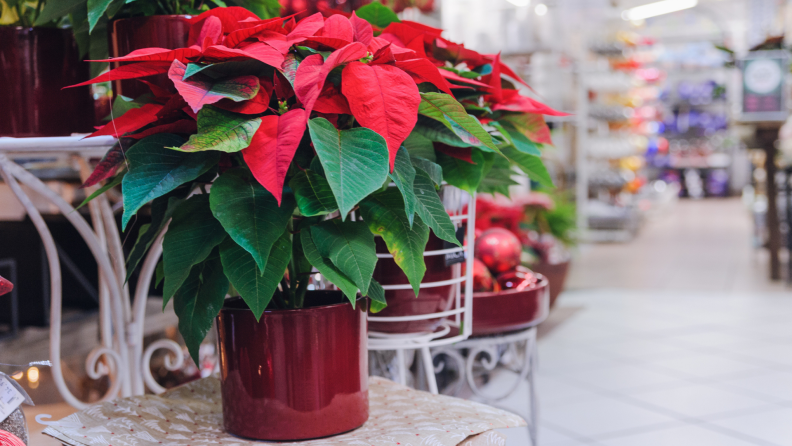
x=362 y=29
x=273 y=147
x=129 y=121
x=338 y=27
x=153 y=54
x=373 y=79
x=512 y=101
x=384 y=99
x=129 y=72
x=313 y=71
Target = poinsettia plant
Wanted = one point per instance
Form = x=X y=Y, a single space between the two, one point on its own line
x=274 y=133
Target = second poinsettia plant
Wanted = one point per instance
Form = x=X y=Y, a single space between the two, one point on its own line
x=275 y=131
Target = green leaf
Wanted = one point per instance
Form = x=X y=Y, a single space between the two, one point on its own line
x=431 y=209
x=162 y=209
x=531 y=165
x=433 y=170
x=437 y=131
x=199 y=300
x=249 y=213
x=350 y=246
x=498 y=178
x=384 y=214
x=121 y=105
x=355 y=161
x=377 y=14
x=444 y=108
x=403 y=176
x=326 y=267
x=192 y=235
x=115 y=7
x=155 y=170
x=265 y=9
x=377 y=295
x=194 y=68
x=159 y=273
x=519 y=140
x=418 y=145
x=221 y=130
x=97 y=47
x=240 y=268
x=109 y=185
x=56 y=9
x=96 y=9
x=461 y=173
x=313 y=193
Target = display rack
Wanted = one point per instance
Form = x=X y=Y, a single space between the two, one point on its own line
x=457 y=321
x=120 y=355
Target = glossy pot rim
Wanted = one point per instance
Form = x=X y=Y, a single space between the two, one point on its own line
x=295 y=310
x=542 y=282
x=154 y=17
x=36 y=29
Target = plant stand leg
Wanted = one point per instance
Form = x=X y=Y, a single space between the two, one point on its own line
x=402 y=367
x=428 y=364
x=530 y=358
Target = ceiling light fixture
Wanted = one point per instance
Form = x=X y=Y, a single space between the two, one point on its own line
x=657 y=8
x=520 y=3
x=541 y=9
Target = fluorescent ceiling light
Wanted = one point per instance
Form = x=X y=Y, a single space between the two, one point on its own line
x=520 y=3
x=657 y=8
x=541 y=9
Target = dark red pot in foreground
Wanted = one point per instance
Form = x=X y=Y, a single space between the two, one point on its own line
x=35 y=63
x=556 y=274
x=296 y=374
x=404 y=302
x=510 y=310
x=158 y=31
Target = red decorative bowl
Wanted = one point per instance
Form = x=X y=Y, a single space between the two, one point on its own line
x=511 y=310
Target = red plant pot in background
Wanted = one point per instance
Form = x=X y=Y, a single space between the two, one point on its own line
x=511 y=310
x=158 y=31
x=556 y=274
x=35 y=63
x=296 y=374
x=404 y=302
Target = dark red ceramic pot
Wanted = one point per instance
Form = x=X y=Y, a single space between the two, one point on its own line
x=35 y=64
x=404 y=302
x=556 y=274
x=295 y=374
x=510 y=310
x=159 y=31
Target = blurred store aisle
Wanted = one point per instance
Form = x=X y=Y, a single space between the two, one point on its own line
x=696 y=246
x=674 y=339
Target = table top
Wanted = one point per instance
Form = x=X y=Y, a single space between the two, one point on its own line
x=192 y=415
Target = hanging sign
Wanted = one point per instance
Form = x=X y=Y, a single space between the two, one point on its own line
x=764 y=86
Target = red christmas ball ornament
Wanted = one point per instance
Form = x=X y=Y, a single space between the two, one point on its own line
x=482 y=279
x=5 y=286
x=499 y=249
x=9 y=439
x=517 y=280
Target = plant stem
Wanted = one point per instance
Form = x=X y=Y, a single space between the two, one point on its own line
x=39 y=4
x=22 y=18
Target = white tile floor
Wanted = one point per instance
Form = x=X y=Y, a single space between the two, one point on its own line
x=699 y=357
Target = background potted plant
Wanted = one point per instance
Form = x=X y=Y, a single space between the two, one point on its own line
x=552 y=224
x=118 y=27
x=35 y=63
x=280 y=152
